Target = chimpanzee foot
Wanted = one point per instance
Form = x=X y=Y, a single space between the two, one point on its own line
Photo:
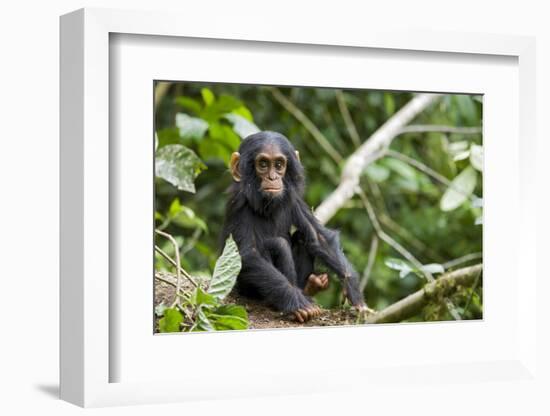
x=315 y=283
x=307 y=313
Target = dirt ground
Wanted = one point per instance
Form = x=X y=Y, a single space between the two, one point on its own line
x=259 y=315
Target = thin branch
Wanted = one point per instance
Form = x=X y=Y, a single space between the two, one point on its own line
x=462 y=260
x=402 y=250
x=173 y=263
x=428 y=171
x=370 y=263
x=413 y=304
x=307 y=123
x=419 y=128
x=368 y=152
x=192 y=242
x=178 y=273
x=350 y=125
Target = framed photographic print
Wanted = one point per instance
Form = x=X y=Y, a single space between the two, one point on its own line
x=265 y=205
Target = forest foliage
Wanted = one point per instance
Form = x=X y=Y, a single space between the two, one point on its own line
x=426 y=192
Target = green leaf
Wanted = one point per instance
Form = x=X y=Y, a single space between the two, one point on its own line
x=377 y=172
x=244 y=112
x=226 y=270
x=232 y=309
x=200 y=297
x=241 y=125
x=227 y=322
x=208 y=96
x=403 y=267
x=184 y=216
x=401 y=168
x=466 y=107
x=211 y=149
x=203 y=322
x=168 y=136
x=178 y=165
x=193 y=128
x=189 y=104
x=476 y=157
x=463 y=186
x=224 y=134
x=171 y=320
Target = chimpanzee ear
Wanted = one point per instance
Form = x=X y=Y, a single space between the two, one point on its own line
x=297 y=155
x=234 y=166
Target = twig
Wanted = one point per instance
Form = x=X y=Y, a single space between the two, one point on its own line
x=369 y=151
x=461 y=260
x=402 y=250
x=413 y=304
x=419 y=128
x=192 y=242
x=307 y=123
x=428 y=171
x=370 y=263
x=173 y=263
x=350 y=125
x=178 y=273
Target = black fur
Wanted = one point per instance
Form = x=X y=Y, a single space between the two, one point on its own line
x=276 y=264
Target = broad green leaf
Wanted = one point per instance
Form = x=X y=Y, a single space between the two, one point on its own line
x=460 y=190
x=224 y=134
x=244 y=112
x=168 y=136
x=476 y=157
x=202 y=323
x=178 y=165
x=189 y=104
x=227 y=322
x=193 y=128
x=377 y=172
x=227 y=268
x=200 y=297
x=207 y=96
x=184 y=216
x=457 y=147
x=211 y=149
x=461 y=155
x=241 y=125
x=171 y=320
x=401 y=168
x=231 y=309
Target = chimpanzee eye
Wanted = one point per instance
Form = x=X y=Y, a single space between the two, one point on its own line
x=263 y=163
x=278 y=165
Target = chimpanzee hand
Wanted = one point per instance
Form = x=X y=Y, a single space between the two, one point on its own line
x=316 y=283
x=307 y=312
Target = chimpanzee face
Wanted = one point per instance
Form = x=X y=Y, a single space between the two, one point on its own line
x=270 y=164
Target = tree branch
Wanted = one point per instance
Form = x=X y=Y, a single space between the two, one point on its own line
x=438 y=289
x=419 y=128
x=368 y=152
x=307 y=123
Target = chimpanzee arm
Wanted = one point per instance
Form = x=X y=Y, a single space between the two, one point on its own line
x=324 y=244
x=275 y=288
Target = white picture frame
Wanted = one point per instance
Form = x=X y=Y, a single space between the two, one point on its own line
x=87 y=166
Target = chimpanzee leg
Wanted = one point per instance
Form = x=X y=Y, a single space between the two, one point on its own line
x=303 y=260
x=281 y=256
